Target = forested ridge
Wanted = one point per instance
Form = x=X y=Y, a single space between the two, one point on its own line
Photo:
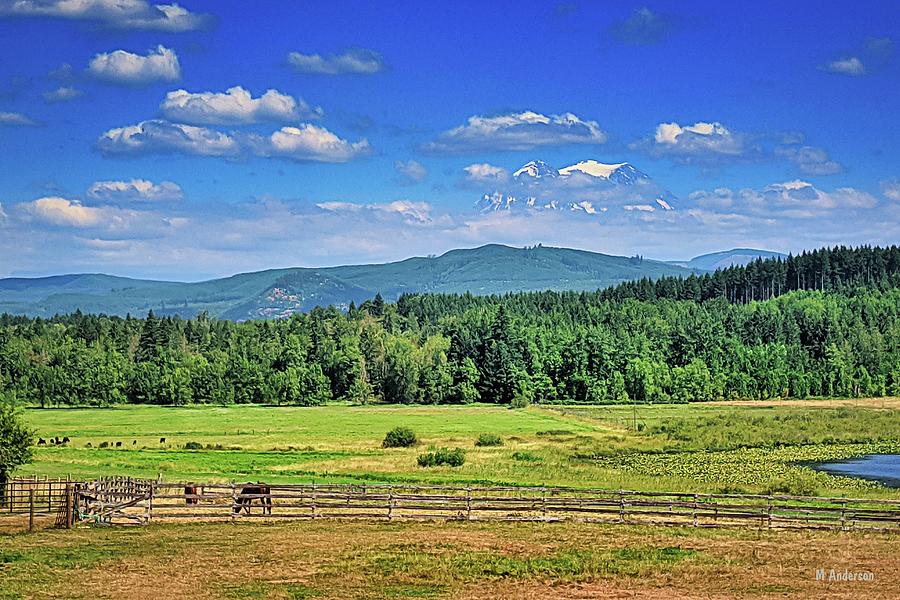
x=824 y=323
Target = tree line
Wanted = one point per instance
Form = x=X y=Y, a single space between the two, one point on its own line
x=825 y=323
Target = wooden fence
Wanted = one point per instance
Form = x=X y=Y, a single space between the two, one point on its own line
x=39 y=497
x=140 y=502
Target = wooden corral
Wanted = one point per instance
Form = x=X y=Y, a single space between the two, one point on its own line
x=139 y=502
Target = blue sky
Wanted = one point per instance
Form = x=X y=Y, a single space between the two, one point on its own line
x=143 y=139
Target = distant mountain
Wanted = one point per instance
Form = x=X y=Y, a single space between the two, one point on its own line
x=538 y=186
x=726 y=258
x=491 y=269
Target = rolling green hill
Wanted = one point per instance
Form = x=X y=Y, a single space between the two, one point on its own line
x=491 y=269
x=735 y=257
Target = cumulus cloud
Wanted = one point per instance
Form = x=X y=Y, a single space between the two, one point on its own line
x=161 y=137
x=235 y=106
x=410 y=211
x=358 y=61
x=62 y=94
x=13 y=119
x=643 y=27
x=411 y=171
x=304 y=143
x=702 y=142
x=121 y=14
x=309 y=143
x=517 y=131
x=851 y=66
x=891 y=189
x=126 y=68
x=105 y=222
x=792 y=199
x=485 y=174
x=61 y=211
x=135 y=189
x=810 y=160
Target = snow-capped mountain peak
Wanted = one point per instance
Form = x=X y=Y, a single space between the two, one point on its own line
x=621 y=173
x=536 y=169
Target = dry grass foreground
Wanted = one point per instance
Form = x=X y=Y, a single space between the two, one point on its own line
x=343 y=559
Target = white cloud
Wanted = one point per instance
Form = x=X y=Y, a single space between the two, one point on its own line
x=412 y=171
x=62 y=94
x=701 y=138
x=411 y=212
x=123 y=14
x=518 y=131
x=891 y=189
x=485 y=173
x=61 y=211
x=12 y=119
x=135 y=189
x=123 y=67
x=810 y=160
x=792 y=199
x=308 y=142
x=851 y=66
x=354 y=60
x=235 y=106
x=157 y=136
x=3 y=215
x=303 y=143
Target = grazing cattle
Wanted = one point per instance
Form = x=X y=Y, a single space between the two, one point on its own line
x=88 y=445
x=191 y=493
x=251 y=492
x=42 y=442
x=66 y=440
x=162 y=440
x=118 y=444
x=134 y=443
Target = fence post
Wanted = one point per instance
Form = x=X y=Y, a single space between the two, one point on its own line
x=31 y=510
x=234 y=503
x=621 y=507
x=313 y=498
x=390 y=502
x=843 y=515
x=544 y=503
x=694 y=510
x=770 y=511
x=468 y=504
x=49 y=496
x=69 y=507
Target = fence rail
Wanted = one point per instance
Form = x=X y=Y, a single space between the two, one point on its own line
x=129 y=501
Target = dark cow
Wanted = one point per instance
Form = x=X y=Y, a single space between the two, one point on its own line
x=66 y=440
x=191 y=491
x=134 y=443
x=251 y=492
x=162 y=440
x=42 y=442
x=118 y=444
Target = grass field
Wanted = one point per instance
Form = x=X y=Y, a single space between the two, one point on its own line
x=369 y=560
x=698 y=447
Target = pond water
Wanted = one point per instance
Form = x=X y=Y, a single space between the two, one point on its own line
x=878 y=467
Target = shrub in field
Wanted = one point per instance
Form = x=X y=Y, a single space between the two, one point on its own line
x=400 y=437
x=489 y=439
x=193 y=446
x=525 y=456
x=443 y=456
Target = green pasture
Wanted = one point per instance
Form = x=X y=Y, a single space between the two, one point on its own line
x=697 y=447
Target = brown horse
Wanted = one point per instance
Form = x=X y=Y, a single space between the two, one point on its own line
x=251 y=492
x=191 y=491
